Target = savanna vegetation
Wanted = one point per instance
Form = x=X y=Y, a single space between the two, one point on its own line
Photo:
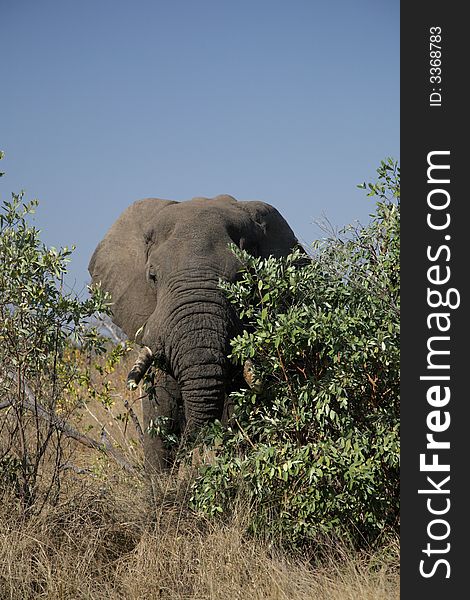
x=296 y=498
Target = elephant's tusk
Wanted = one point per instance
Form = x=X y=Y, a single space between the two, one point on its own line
x=141 y=366
x=249 y=376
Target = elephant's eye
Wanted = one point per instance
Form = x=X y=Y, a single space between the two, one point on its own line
x=152 y=275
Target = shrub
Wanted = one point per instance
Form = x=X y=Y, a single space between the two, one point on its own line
x=38 y=319
x=317 y=451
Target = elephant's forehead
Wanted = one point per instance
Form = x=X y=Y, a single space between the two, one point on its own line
x=207 y=212
x=219 y=204
x=222 y=199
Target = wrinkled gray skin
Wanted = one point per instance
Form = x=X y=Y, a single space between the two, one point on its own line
x=161 y=261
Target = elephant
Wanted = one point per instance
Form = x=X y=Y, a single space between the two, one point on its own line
x=161 y=262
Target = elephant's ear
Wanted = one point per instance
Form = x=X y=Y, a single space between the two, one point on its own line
x=119 y=263
x=275 y=237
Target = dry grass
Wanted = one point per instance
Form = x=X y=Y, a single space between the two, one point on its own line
x=105 y=542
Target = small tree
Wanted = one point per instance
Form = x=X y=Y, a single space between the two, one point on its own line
x=37 y=321
x=317 y=451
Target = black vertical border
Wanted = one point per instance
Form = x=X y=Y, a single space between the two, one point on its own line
x=426 y=128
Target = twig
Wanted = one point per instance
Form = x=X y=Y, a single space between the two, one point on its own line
x=135 y=420
x=61 y=424
x=79 y=470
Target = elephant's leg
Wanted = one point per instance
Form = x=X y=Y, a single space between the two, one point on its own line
x=163 y=399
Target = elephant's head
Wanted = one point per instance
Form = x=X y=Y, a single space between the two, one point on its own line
x=161 y=261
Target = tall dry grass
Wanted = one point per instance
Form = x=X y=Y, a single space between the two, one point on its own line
x=113 y=537
x=107 y=540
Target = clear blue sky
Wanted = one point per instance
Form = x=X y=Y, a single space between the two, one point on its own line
x=103 y=102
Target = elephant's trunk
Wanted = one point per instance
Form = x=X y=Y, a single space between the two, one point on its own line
x=198 y=356
x=202 y=371
x=203 y=394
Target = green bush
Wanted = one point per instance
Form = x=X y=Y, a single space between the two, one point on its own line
x=317 y=451
x=38 y=320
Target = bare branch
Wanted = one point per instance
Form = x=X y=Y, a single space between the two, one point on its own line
x=29 y=403
x=135 y=420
